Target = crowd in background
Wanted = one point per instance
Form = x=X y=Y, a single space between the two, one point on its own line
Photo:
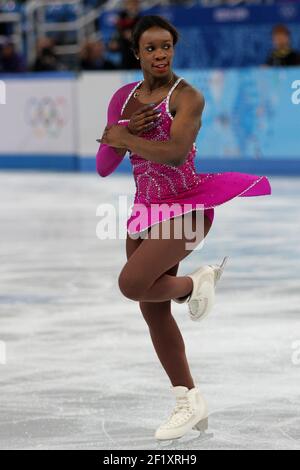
x=93 y=53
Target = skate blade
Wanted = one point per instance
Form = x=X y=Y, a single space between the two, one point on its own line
x=201 y=426
x=219 y=269
x=223 y=264
x=186 y=440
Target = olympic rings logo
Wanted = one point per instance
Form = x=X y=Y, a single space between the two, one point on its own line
x=46 y=115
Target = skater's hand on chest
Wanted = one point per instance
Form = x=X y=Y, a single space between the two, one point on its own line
x=143 y=119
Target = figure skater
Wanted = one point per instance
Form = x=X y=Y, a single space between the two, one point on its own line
x=157 y=120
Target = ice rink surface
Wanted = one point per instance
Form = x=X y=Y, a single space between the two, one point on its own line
x=78 y=367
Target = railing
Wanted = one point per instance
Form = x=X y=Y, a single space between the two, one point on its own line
x=83 y=26
x=15 y=20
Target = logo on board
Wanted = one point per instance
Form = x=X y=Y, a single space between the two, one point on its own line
x=46 y=115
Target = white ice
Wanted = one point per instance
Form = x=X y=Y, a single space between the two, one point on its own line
x=81 y=371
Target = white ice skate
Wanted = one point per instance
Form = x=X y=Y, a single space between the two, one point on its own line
x=190 y=412
x=202 y=298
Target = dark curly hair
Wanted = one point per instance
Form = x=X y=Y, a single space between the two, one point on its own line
x=148 y=21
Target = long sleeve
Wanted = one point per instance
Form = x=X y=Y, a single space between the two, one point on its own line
x=107 y=159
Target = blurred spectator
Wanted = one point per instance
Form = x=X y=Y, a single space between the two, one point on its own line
x=46 y=59
x=10 y=60
x=282 y=54
x=93 y=57
x=121 y=40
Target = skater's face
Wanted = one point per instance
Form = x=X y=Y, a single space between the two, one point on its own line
x=156 y=48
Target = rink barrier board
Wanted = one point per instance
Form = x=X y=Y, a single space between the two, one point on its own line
x=72 y=163
x=244 y=142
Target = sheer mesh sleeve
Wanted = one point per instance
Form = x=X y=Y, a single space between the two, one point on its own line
x=107 y=158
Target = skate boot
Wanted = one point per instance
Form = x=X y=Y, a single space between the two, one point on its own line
x=190 y=412
x=202 y=297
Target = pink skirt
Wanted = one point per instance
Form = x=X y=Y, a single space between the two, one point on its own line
x=213 y=190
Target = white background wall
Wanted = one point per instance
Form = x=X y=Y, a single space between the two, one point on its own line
x=39 y=117
x=94 y=93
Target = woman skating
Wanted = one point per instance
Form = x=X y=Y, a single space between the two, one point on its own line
x=161 y=141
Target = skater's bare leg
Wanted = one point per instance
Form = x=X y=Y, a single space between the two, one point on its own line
x=167 y=340
x=145 y=278
x=164 y=331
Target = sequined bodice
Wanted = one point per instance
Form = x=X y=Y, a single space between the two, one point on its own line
x=156 y=182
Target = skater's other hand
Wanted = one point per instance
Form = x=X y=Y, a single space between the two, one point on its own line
x=114 y=136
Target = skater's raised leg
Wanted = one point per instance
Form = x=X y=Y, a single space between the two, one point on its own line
x=145 y=278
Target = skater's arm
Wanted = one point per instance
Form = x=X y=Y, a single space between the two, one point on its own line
x=184 y=129
x=109 y=157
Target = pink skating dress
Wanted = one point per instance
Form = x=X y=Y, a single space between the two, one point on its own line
x=180 y=187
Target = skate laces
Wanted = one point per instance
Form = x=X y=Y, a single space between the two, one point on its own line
x=182 y=411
